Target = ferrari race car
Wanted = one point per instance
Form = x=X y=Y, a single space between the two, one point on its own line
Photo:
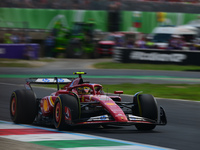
x=83 y=103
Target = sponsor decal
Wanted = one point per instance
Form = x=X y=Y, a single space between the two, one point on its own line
x=116 y=109
x=61 y=80
x=82 y=99
x=52 y=80
x=67 y=114
x=103 y=118
x=99 y=118
x=110 y=104
x=87 y=100
x=174 y=57
x=45 y=80
x=2 y=51
x=135 y=118
x=46 y=106
x=119 y=115
x=117 y=55
x=104 y=98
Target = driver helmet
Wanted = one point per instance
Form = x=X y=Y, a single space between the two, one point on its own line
x=83 y=90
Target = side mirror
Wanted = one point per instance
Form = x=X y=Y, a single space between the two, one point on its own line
x=118 y=92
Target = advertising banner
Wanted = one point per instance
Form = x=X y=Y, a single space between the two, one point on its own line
x=154 y=56
x=46 y=18
x=145 y=22
x=19 y=51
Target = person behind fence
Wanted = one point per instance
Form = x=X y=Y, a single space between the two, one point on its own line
x=49 y=45
x=119 y=41
x=140 y=43
x=149 y=43
x=7 y=38
x=130 y=43
x=15 y=38
x=176 y=43
x=196 y=44
x=29 y=52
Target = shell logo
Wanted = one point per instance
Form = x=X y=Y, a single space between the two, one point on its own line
x=45 y=105
x=110 y=103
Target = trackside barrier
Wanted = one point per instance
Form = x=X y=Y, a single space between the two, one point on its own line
x=155 y=56
x=19 y=51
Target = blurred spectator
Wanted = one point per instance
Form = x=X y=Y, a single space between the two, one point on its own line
x=149 y=43
x=27 y=38
x=15 y=38
x=56 y=4
x=114 y=4
x=49 y=45
x=75 y=4
x=140 y=43
x=82 y=4
x=176 y=43
x=86 y=3
x=28 y=52
x=119 y=42
x=29 y=3
x=130 y=43
x=7 y=38
x=21 y=38
x=196 y=44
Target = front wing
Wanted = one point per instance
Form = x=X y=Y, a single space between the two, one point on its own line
x=132 y=120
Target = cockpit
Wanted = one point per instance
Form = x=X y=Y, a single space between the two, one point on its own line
x=84 y=90
x=88 y=89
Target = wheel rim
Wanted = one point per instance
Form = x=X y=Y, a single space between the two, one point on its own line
x=57 y=112
x=13 y=106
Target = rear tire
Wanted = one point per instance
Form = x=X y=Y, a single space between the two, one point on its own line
x=145 y=106
x=23 y=106
x=66 y=110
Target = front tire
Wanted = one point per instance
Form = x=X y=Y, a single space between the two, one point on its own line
x=66 y=110
x=145 y=106
x=23 y=106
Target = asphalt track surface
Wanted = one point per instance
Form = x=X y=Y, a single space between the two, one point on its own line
x=182 y=131
x=65 y=67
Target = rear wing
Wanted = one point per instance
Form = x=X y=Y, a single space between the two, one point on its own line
x=54 y=80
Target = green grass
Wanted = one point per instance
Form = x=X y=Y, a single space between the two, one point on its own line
x=114 y=65
x=13 y=64
x=103 y=65
x=21 y=63
x=172 y=91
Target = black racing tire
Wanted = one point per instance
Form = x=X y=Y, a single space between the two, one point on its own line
x=23 y=106
x=145 y=106
x=66 y=110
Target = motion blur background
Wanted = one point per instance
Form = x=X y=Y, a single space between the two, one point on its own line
x=78 y=28
x=127 y=31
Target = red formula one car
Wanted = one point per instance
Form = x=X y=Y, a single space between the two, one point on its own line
x=83 y=103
